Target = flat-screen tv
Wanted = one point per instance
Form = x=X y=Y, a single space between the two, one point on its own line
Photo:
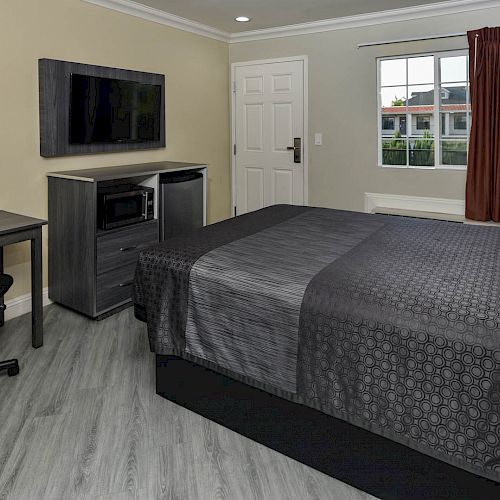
x=106 y=110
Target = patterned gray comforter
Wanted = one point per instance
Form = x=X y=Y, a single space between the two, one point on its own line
x=390 y=323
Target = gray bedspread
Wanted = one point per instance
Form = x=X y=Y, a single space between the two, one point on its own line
x=390 y=323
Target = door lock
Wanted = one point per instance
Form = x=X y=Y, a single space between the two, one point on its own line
x=297 y=150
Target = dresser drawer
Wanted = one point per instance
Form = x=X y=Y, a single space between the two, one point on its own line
x=114 y=287
x=120 y=248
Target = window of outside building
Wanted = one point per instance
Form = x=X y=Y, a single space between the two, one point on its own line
x=423 y=122
x=460 y=122
x=388 y=122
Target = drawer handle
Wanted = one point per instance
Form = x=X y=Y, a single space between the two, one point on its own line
x=127 y=283
x=127 y=249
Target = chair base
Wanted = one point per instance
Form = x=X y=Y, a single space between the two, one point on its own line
x=11 y=365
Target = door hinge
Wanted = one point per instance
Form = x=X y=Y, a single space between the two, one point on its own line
x=234 y=149
x=235 y=211
x=234 y=87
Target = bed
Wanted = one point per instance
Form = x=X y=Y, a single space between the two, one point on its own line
x=388 y=324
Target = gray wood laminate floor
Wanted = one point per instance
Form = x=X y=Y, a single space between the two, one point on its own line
x=82 y=421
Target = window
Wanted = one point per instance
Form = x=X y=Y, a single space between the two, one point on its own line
x=428 y=98
x=388 y=122
x=423 y=122
x=444 y=94
x=460 y=122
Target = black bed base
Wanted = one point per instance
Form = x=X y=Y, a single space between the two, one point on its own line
x=350 y=454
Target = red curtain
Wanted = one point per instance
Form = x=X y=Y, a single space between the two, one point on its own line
x=483 y=173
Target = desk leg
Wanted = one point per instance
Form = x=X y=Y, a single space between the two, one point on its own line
x=36 y=289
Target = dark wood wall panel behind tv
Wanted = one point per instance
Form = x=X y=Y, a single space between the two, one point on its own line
x=54 y=81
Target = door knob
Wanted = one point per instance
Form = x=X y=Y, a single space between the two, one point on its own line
x=297 y=150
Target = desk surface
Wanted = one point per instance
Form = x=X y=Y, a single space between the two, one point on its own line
x=12 y=223
x=124 y=171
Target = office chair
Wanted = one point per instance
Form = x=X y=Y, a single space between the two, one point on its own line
x=11 y=365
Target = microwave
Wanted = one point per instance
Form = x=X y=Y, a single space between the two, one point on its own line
x=123 y=205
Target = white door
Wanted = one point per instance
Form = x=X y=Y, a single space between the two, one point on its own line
x=269 y=135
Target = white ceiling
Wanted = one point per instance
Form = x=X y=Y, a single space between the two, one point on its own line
x=220 y=14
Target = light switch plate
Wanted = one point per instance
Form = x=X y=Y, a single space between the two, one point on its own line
x=318 y=139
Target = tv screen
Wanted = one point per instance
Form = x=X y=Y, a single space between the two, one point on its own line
x=105 y=110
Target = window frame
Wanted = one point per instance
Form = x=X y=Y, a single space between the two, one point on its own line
x=438 y=55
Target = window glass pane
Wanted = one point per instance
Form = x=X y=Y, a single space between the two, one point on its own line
x=422 y=152
x=393 y=72
x=393 y=97
x=391 y=125
x=454 y=69
x=453 y=96
x=454 y=125
x=394 y=150
x=421 y=96
x=393 y=112
x=421 y=115
x=421 y=110
x=454 y=152
x=460 y=121
x=421 y=70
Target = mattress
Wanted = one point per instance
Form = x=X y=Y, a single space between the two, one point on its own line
x=390 y=323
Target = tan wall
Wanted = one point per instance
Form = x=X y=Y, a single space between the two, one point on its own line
x=342 y=103
x=197 y=106
x=343 y=106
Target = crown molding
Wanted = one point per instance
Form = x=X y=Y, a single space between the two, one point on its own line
x=161 y=17
x=370 y=19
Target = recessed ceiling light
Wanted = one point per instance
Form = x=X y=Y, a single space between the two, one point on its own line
x=242 y=19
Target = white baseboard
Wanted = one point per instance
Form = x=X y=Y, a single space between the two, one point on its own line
x=22 y=304
x=414 y=204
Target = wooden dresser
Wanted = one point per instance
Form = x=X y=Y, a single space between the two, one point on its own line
x=92 y=270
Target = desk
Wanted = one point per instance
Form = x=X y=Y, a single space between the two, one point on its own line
x=15 y=228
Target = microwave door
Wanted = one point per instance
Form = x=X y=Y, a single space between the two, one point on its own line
x=122 y=209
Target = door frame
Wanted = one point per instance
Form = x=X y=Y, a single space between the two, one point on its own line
x=305 y=139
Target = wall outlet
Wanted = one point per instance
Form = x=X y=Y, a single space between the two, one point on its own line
x=318 y=139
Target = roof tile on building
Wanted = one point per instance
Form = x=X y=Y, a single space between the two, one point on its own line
x=401 y=110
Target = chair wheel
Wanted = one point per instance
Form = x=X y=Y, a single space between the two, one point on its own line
x=13 y=371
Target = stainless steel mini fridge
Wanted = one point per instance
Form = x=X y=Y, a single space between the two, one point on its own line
x=181 y=203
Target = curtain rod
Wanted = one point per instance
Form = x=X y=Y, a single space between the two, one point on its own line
x=417 y=39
